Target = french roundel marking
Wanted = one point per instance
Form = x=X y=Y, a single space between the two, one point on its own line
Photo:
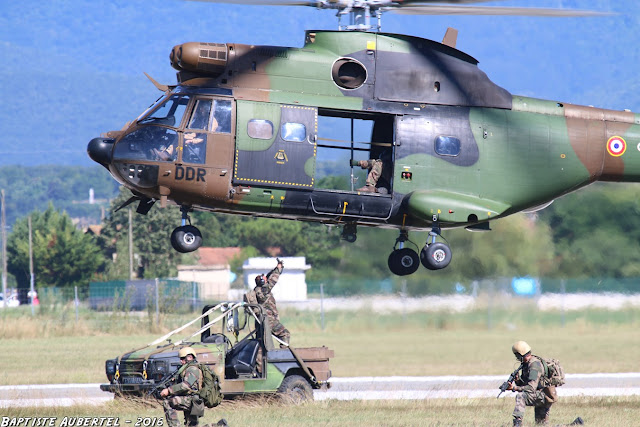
x=616 y=146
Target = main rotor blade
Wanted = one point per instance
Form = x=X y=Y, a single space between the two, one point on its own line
x=422 y=7
x=264 y=2
x=434 y=9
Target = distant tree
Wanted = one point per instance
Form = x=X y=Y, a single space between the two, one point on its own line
x=63 y=256
x=596 y=231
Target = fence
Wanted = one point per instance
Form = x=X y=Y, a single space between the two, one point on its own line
x=168 y=295
x=163 y=295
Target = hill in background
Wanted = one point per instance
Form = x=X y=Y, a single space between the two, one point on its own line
x=73 y=69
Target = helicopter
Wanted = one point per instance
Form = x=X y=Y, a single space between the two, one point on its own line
x=294 y=132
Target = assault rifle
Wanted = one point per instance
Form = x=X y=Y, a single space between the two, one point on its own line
x=512 y=377
x=155 y=391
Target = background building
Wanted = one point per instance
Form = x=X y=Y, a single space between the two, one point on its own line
x=292 y=285
x=212 y=272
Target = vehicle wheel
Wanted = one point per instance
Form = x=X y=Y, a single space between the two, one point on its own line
x=295 y=389
x=436 y=256
x=403 y=262
x=186 y=239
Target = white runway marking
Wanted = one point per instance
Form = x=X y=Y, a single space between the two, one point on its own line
x=356 y=388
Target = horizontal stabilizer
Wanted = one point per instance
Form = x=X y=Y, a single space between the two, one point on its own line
x=482 y=226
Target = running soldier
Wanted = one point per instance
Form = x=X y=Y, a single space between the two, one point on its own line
x=264 y=285
x=183 y=396
x=529 y=386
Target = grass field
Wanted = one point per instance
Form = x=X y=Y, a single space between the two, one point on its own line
x=60 y=350
x=601 y=412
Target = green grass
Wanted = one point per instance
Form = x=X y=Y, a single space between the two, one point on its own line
x=603 y=412
x=365 y=344
x=60 y=350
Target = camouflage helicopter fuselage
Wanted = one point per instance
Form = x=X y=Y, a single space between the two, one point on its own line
x=462 y=150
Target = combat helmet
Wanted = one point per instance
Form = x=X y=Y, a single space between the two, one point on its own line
x=184 y=352
x=521 y=349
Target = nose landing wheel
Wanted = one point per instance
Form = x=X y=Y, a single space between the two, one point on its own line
x=186 y=238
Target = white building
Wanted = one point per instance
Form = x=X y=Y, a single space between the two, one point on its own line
x=212 y=272
x=291 y=286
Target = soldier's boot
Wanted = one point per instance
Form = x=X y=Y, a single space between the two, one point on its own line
x=222 y=422
x=367 y=189
x=191 y=421
x=517 y=421
x=577 y=422
x=542 y=415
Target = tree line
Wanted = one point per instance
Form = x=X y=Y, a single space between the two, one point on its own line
x=590 y=233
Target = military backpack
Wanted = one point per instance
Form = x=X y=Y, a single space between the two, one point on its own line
x=210 y=391
x=553 y=372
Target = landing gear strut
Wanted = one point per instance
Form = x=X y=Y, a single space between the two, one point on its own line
x=403 y=261
x=186 y=238
x=435 y=255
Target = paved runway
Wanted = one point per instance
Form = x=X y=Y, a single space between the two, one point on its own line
x=355 y=388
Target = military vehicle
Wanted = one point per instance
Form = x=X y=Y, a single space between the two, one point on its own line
x=279 y=132
x=238 y=346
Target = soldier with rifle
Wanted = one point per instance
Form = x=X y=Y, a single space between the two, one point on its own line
x=183 y=395
x=530 y=387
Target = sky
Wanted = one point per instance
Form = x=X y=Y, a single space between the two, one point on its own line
x=589 y=61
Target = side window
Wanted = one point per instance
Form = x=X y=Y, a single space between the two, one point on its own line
x=221 y=116
x=293 y=132
x=200 y=116
x=260 y=129
x=447 y=145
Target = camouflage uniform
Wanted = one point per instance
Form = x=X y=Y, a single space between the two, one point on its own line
x=268 y=302
x=375 y=170
x=532 y=392
x=182 y=398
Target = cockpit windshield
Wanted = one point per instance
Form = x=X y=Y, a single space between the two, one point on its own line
x=168 y=113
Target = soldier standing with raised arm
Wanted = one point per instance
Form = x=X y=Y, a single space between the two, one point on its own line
x=264 y=285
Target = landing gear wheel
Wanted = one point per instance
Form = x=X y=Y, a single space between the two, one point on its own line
x=403 y=262
x=435 y=256
x=186 y=239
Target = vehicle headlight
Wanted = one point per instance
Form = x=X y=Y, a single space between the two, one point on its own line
x=110 y=367
x=160 y=367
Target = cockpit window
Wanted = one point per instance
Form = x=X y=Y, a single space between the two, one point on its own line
x=200 y=116
x=222 y=116
x=155 y=143
x=195 y=147
x=169 y=113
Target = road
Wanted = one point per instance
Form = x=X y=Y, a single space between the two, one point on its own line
x=362 y=388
